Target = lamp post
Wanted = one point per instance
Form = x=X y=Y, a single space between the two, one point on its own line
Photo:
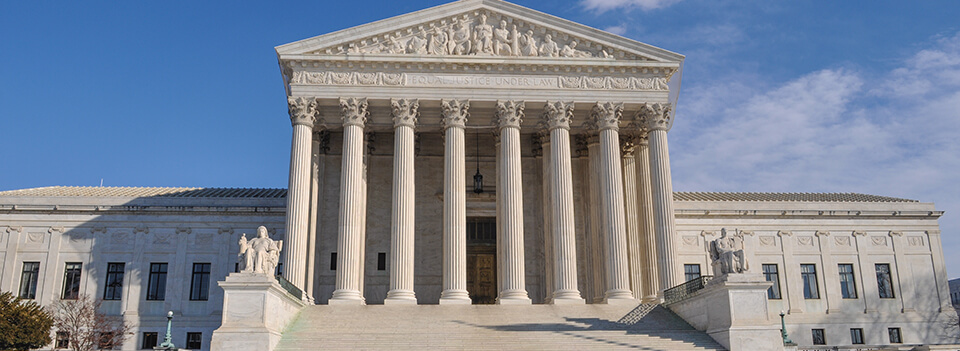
x=167 y=339
x=783 y=330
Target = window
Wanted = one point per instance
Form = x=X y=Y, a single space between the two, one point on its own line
x=809 y=274
x=818 y=337
x=106 y=341
x=279 y=269
x=771 y=273
x=114 y=286
x=200 y=283
x=848 y=284
x=884 y=281
x=895 y=335
x=157 y=284
x=28 y=280
x=856 y=336
x=382 y=261
x=71 y=281
x=482 y=231
x=149 y=340
x=63 y=340
x=194 y=341
x=333 y=261
x=691 y=272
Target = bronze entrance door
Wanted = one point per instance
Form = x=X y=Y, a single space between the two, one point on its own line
x=482 y=260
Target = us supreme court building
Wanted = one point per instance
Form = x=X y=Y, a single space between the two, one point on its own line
x=476 y=153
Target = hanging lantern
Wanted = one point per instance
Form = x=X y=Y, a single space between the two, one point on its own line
x=478 y=182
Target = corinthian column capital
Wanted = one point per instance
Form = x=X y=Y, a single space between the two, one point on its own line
x=606 y=115
x=303 y=110
x=509 y=114
x=454 y=113
x=557 y=114
x=353 y=111
x=405 y=112
x=654 y=117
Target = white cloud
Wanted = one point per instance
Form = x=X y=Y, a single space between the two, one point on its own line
x=620 y=29
x=832 y=130
x=606 y=5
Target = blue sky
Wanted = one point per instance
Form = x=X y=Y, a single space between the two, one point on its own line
x=806 y=96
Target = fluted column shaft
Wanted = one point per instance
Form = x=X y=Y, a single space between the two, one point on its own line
x=627 y=149
x=656 y=118
x=454 y=205
x=402 y=215
x=607 y=119
x=648 y=242
x=510 y=198
x=350 y=245
x=596 y=241
x=303 y=115
x=558 y=115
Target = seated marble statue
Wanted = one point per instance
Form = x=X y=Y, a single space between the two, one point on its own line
x=727 y=254
x=259 y=255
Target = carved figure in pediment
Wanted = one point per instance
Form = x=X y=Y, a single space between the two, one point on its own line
x=260 y=255
x=502 y=44
x=417 y=44
x=727 y=254
x=393 y=45
x=529 y=44
x=483 y=37
x=570 y=50
x=515 y=43
x=461 y=39
x=549 y=48
x=438 y=42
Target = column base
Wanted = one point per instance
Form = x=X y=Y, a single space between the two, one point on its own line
x=618 y=295
x=515 y=301
x=455 y=297
x=568 y=301
x=346 y=297
x=400 y=297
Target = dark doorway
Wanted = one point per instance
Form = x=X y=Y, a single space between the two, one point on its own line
x=482 y=259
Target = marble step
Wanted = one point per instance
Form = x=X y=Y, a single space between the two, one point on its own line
x=491 y=327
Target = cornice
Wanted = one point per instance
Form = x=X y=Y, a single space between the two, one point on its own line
x=685 y=213
x=121 y=209
x=479 y=63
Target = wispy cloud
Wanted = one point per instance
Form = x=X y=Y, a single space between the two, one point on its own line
x=832 y=130
x=607 y=5
x=620 y=29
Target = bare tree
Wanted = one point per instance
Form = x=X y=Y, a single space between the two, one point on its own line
x=85 y=326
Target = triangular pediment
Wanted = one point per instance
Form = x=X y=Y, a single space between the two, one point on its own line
x=478 y=28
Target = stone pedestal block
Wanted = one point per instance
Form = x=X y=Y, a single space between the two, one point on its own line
x=256 y=309
x=732 y=309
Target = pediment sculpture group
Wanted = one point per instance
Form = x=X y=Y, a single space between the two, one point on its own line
x=463 y=38
x=259 y=255
x=726 y=253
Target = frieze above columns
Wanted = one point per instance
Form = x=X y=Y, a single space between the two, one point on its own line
x=418 y=79
x=353 y=111
x=405 y=112
x=303 y=110
x=509 y=114
x=606 y=115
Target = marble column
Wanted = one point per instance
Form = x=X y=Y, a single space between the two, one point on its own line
x=598 y=281
x=648 y=241
x=353 y=212
x=628 y=147
x=656 y=118
x=558 y=115
x=405 y=114
x=303 y=115
x=454 y=113
x=513 y=288
x=541 y=150
x=606 y=116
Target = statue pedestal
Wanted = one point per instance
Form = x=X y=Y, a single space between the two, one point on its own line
x=256 y=309
x=732 y=309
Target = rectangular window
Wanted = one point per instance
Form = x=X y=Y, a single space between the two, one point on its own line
x=200 y=283
x=28 y=280
x=71 y=281
x=114 y=283
x=691 y=271
x=884 y=281
x=809 y=274
x=856 y=336
x=157 y=284
x=818 y=337
x=382 y=261
x=106 y=341
x=848 y=284
x=279 y=269
x=63 y=340
x=333 y=261
x=149 y=340
x=194 y=341
x=895 y=337
x=771 y=273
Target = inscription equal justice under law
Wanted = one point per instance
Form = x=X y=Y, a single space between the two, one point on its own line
x=481 y=81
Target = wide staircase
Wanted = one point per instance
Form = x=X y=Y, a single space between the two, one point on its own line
x=492 y=327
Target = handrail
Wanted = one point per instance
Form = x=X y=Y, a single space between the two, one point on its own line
x=290 y=288
x=683 y=291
